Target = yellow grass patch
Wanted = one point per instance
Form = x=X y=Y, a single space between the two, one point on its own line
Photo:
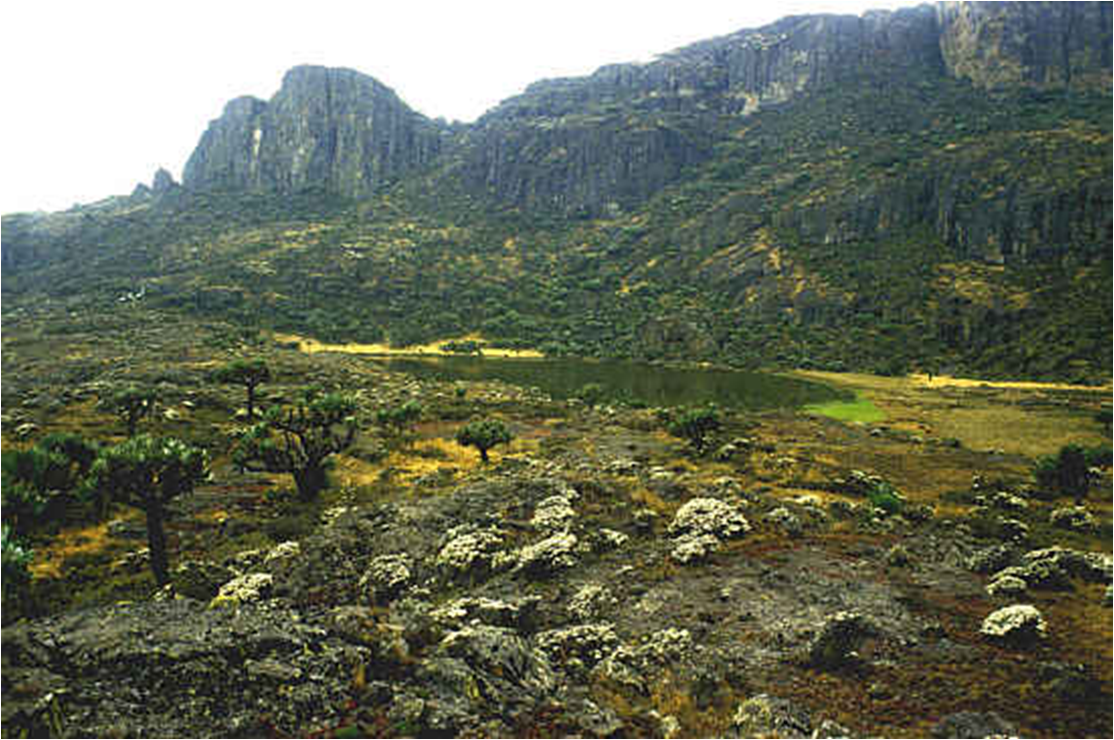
x=431 y=456
x=49 y=560
x=312 y=346
x=947 y=381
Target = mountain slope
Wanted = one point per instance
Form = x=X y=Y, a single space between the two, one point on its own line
x=930 y=187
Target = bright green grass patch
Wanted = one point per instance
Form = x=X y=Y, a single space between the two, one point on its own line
x=861 y=409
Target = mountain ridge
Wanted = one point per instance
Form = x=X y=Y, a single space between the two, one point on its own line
x=927 y=187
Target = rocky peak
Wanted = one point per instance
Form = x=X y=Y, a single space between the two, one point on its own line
x=335 y=129
x=163 y=181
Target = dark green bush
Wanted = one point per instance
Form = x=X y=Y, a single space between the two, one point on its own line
x=1065 y=473
x=884 y=496
x=483 y=435
x=399 y=418
x=696 y=425
x=148 y=472
x=299 y=440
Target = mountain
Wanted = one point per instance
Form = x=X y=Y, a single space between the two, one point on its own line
x=929 y=187
x=330 y=128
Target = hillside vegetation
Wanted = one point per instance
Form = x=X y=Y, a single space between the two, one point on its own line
x=890 y=212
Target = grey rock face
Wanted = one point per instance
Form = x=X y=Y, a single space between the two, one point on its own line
x=1042 y=44
x=177 y=668
x=333 y=129
x=973 y=724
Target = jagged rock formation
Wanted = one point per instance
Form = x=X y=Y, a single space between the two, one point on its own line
x=333 y=129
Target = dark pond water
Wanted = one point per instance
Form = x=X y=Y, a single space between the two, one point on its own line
x=652 y=385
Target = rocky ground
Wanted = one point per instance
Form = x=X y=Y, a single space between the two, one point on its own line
x=597 y=579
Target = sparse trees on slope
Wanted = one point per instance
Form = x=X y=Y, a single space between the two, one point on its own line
x=299 y=440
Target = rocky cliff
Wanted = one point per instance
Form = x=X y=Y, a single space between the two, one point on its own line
x=333 y=129
x=611 y=139
x=998 y=45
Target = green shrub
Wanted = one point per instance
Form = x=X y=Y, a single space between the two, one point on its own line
x=148 y=472
x=696 y=425
x=78 y=450
x=399 y=418
x=483 y=435
x=1105 y=416
x=1064 y=474
x=299 y=440
x=882 y=495
x=591 y=394
x=39 y=481
x=130 y=404
x=40 y=469
x=1099 y=457
x=24 y=505
x=248 y=373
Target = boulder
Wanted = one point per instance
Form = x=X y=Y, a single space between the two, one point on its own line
x=786 y=520
x=579 y=648
x=244 y=589
x=1018 y=624
x=1007 y=585
x=1072 y=682
x=693 y=548
x=838 y=638
x=174 y=669
x=469 y=551
x=554 y=514
x=200 y=579
x=554 y=553
x=991 y=559
x=516 y=614
x=386 y=577
x=770 y=716
x=590 y=602
x=653 y=651
x=709 y=516
x=973 y=725
x=500 y=661
x=1074 y=518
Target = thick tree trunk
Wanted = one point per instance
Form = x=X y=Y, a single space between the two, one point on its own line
x=156 y=541
x=310 y=481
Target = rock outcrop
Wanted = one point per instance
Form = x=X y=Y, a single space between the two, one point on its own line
x=607 y=141
x=330 y=129
x=996 y=45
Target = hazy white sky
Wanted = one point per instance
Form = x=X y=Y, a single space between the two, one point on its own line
x=100 y=93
